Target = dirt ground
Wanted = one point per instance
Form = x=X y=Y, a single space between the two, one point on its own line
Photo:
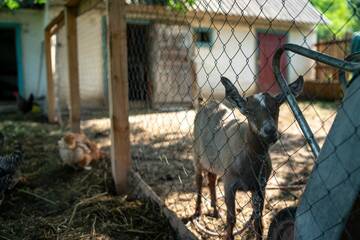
x=162 y=154
x=56 y=202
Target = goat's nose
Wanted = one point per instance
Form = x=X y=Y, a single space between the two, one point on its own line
x=269 y=130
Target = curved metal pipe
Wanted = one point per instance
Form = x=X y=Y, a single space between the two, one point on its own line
x=320 y=57
x=342 y=77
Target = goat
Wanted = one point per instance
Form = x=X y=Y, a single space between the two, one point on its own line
x=237 y=151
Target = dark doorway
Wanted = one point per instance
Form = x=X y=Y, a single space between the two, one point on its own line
x=138 y=67
x=8 y=63
x=268 y=44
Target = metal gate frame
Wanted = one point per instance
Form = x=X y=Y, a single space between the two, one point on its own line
x=327 y=200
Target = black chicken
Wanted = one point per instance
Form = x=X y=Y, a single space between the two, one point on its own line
x=24 y=105
x=2 y=140
x=9 y=164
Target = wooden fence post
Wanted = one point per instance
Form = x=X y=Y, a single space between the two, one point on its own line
x=72 y=56
x=50 y=80
x=118 y=94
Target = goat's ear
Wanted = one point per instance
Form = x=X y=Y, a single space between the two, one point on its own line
x=296 y=88
x=232 y=95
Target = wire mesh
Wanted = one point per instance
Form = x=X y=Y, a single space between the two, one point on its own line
x=177 y=54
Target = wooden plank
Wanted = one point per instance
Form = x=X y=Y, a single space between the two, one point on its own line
x=58 y=20
x=322 y=91
x=84 y=6
x=163 y=14
x=72 y=56
x=155 y=12
x=195 y=91
x=87 y=5
x=118 y=94
x=141 y=189
x=50 y=80
x=56 y=28
x=335 y=41
x=72 y=3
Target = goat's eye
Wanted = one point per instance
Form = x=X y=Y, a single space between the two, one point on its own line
x=250 y=113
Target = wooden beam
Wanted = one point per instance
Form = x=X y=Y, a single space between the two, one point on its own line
x=195 y=92
x=58 y=20
x=56 y=28
x=193 y=17
x=154 y=12
x=140 y=189
x=72 y=56
x=87 y=5
x=118 y=94
x=50 y=80
x=72 y=3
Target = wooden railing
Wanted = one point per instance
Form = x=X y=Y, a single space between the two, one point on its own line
x=336 y=48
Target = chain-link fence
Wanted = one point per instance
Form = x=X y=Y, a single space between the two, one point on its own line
x=190 y=142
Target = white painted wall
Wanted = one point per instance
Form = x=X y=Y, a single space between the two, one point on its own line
x=301 y=65
x=90 y=62
x=90 y=59
x=234 y=55
x=61 y=77
x=33 y=58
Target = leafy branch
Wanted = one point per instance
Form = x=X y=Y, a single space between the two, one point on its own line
x=15 y=4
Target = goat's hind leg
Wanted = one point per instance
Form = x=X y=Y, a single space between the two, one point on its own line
x=212 y=187
x=230 y=192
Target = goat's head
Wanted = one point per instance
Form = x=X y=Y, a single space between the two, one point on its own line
x=261 y=109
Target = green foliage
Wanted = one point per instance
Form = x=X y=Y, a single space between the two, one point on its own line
x=15 y=4
x=342 y=14
x=180 y=5
x=355 y=5
x=11 y=4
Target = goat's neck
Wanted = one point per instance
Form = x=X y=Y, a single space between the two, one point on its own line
x=255 y=143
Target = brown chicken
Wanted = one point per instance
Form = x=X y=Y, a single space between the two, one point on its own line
x=77 y=151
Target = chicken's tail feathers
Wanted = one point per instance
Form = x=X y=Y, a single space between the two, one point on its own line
x=31 y=97
x=18 y=153
x=10 y=162
x=18 y=146
x=2 y=140
x=104 y=155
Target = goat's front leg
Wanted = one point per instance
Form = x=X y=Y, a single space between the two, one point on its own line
x=212 y=188
x=199 y=180
x=230 y=192
x=258 y=198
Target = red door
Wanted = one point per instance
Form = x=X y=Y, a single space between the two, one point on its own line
x=268 y=43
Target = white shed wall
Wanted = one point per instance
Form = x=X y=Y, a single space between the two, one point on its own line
x=61 y=76
x=90 y=59
x=234 y=55
x=301 y=65
x=32 y=36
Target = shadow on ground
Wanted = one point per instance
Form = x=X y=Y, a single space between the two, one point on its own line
x=57 y=202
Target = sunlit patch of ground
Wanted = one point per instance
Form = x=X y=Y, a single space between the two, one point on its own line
x=162 y=154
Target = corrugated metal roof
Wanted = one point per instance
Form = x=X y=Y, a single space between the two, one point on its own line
x=299 y=11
